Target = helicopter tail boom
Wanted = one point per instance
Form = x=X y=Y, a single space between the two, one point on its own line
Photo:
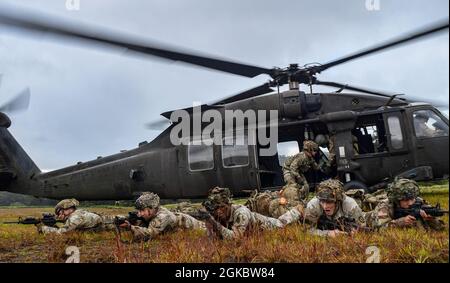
x=17 y=169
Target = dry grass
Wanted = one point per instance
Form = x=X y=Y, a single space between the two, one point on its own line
x=21 y=243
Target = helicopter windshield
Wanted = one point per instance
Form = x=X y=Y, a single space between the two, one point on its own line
x=429 y=124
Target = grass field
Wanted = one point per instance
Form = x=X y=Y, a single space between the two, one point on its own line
x=21 y=243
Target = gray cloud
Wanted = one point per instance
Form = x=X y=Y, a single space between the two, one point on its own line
x=88 y=102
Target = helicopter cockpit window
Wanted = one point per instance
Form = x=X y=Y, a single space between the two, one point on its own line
x=395 y=130
x=286 y=149
x=428 y=124
x=200 y=157
x=235 y=152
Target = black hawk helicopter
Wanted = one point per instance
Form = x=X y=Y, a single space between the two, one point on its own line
x=377 y=135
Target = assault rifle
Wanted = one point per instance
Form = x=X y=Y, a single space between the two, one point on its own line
x=48 y=219
x=345 y=224
x=205 y=215
x=132 y=217
x=414 y=210
x=200 y=214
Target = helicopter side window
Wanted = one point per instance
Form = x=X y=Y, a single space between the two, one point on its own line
x=369 y=136
x=395 y=130
x=428 y=124
x=235 y=152
x=286 y=150
x=200 y=157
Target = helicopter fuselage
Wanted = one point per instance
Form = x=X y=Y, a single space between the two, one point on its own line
x=372 y=142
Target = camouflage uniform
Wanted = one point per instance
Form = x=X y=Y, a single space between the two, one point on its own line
x=295 y=166
x=187 y=208
x=241 y=219
x=383 y=215
x=79 y=220
x=164 y=220
x=367 y=202
x=332 y=190
x=328 y=141
x=261 y=202
x=293 y=215
x=274 y=204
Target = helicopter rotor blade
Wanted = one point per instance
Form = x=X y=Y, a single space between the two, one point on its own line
x=158 y=125
x=408 y=99
x=29 y=21
x=354 y=88
x=435 y=102
x=162 y=124
x=256 y=91
x=19 y=103
x=407 y=38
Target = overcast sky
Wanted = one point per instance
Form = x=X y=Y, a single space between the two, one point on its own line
x=88 y=102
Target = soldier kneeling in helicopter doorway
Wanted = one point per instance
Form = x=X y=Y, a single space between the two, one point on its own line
x=157 y=219
x=404 y=208
x=296 y=166
x=76 y=219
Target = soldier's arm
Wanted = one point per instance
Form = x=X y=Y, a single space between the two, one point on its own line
x=381 y=217
x=157 y=226
x=294 y=215
x=313 y=211
x=188 y=222
x=316 y=166
x=295 y=166
x=71 y=224
x=240 y=225
x=353 y=211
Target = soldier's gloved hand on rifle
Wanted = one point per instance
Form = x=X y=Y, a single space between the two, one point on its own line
x=122 y=222
x=407 y=221
x=125 y=225
x=424 y=215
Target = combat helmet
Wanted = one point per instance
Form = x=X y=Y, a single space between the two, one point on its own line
x=147 y=200
x=310 y=146
x=330 y=190
x=217 y=197
x=402 y=189
x=321 y=140
x=66 y=204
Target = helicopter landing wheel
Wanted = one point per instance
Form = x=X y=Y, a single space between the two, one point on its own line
x=355 y=185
